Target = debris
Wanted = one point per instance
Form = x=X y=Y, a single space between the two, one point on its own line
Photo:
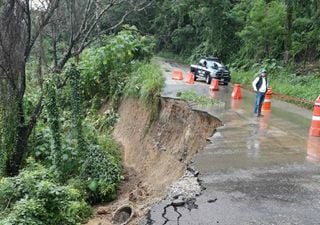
x=212 y=200
x=123 y=215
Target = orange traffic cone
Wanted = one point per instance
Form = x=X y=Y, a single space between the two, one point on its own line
x=315 y=124
x=236 y=93
x=313 y=149
x=177 y=75
x=266 y=106
x=190 y=78
x=214 y=86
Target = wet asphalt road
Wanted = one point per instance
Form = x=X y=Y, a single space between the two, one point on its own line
x=256 y=170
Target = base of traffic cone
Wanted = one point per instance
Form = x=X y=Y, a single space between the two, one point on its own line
x=214 y=86
x=236 y=93
x=314 y=132
x=313 y=149
x=190 y=78
x=177 y=75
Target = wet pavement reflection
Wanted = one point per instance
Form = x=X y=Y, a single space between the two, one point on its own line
x=261 y=170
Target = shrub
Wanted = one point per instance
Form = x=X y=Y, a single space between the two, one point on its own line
x=105 y=69
x=101 y=174
x=34 y=197
x=145 y=82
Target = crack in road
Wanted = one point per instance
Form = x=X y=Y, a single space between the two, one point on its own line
x=190 y=204
x=165 y=212
x=149 y=220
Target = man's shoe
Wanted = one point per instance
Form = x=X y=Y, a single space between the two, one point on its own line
x=259 y=115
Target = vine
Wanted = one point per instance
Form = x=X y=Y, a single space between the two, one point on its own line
x=75 y=102
x=53 y=114
x=8 y=133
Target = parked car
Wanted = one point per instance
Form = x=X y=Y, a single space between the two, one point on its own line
x=211 y=68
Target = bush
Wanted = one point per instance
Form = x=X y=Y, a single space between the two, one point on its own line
x=105 y=69
x=101 y=174
x=34 y=197
x=145 y=82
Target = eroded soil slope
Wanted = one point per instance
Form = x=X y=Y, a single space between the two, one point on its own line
x=156 y=154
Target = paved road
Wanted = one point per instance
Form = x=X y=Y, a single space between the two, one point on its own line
x=260 y=170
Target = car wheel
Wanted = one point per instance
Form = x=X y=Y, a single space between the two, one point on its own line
x=195 y=73
x=208 y=79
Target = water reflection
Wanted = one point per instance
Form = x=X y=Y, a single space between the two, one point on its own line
x=236 y=104
x=313 y=149
x=258 y=136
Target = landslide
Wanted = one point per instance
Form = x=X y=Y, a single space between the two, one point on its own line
x=155 y=154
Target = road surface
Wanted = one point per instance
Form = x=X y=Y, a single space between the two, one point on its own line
x=256 y=171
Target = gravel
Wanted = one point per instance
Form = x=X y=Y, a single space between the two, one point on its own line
x=186 y=188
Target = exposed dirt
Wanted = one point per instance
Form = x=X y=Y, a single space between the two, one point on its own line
x=154 y=155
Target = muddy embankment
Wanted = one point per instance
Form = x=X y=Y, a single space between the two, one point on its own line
x=155 y=155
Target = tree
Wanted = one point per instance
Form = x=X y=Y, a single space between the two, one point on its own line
x=263 y=34
x=73 y=25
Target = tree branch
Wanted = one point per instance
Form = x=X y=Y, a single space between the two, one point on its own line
x=48 y=14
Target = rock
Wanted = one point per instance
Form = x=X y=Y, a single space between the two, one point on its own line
x=102 y=211
x=212 y=200
x=178 y=202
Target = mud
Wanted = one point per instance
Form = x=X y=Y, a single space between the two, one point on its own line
x=155 y=154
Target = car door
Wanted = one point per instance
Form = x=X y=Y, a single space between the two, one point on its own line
x=202 y=69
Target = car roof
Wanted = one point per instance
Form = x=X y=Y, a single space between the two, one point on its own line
x=212 y=58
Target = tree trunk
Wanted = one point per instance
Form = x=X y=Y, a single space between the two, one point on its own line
x=288 y=27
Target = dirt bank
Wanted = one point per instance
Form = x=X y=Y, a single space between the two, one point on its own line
x=155 y=154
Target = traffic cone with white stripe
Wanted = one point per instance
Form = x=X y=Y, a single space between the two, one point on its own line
x=266 y=106
x=315 y=124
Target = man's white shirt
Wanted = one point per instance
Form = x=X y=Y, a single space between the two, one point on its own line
x=263 y=87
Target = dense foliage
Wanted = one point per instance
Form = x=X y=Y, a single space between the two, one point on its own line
x=241 y=31
x=74 y=159
x=105 y=69
x=34 y=198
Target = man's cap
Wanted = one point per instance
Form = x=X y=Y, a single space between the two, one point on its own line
x=263 y=71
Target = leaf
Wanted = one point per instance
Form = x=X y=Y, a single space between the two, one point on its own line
x=93 y=186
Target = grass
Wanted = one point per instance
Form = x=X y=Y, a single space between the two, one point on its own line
x=146 y=83
x=302 y=87
x=202 y=100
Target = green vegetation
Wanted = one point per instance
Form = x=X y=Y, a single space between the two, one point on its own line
x=245 y=34
x=146 y=83
x=282 y=81
x=202 y=100
x=73 y=159
x=73 y=59
x=105 y=70
x=34 y=198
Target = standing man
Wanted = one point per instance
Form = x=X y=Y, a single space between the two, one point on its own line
x=260 y=86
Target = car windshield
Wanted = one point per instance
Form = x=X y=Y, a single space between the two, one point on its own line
x=211 y=64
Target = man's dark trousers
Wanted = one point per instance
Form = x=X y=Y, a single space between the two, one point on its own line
x=259 y=101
